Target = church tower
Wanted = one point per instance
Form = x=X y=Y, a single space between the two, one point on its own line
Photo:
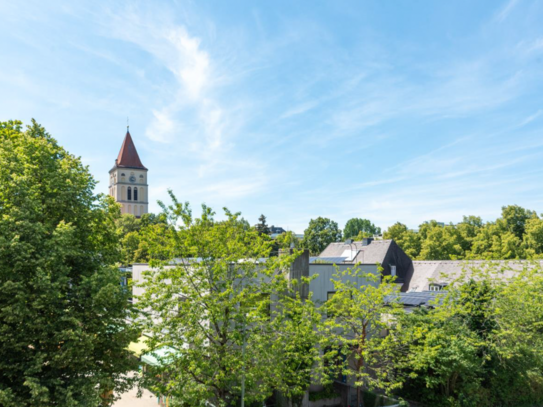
x=128 y=180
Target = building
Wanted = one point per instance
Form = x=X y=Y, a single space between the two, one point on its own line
x=276 y=231
x=128 y=180
x=367 y=253
x=435 y=275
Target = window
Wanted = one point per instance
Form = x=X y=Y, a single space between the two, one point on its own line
x=129 y=193
x=437 y=287
x=393 y=271
x=135 y=193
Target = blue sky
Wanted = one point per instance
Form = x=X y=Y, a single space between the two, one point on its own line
x=389 y=110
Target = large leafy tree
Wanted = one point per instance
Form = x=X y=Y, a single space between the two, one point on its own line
x=357 y=227
x=319 y=234
x=481 y=345
x=355 y=316
x=63 y=312
x=131 y=232
x=516 y=234
x=231 y=311
x=408 y=240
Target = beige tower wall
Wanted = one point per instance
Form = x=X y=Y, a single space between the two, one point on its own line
x=128 y=186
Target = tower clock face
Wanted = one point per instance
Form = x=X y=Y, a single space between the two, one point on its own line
x=132 y=179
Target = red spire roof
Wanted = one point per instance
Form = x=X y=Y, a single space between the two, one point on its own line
x=128 y=156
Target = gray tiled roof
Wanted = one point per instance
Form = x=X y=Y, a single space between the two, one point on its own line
x=444 y=271
x=373 y=253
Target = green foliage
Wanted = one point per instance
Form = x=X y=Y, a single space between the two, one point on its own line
x=357 y=314
x=372 y=399
x=483 y=346
x=327 y=393
x=262 y=226
x=229 y=308
x=285 y=241
x=319 y=234
x=408 y=240
x=62 y=309
x=131 y=231
x=359 y=228
x=517 y=234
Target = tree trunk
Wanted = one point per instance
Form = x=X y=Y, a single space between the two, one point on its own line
x=358 y=397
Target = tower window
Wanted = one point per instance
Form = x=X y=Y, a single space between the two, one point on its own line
x=135 y=193
x=129 y=193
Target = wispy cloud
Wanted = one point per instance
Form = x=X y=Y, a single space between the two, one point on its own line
x=531 y=118
x=504 y=12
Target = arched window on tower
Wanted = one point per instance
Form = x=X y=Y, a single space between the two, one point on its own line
x=129 y=193
x=135 y=193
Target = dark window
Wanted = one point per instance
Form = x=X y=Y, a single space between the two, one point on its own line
x=135 y=193
x=129 y=193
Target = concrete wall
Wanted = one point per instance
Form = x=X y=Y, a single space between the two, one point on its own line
x=319 y=287
x=322 y=285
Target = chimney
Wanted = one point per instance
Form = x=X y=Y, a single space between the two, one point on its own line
x=367 y=241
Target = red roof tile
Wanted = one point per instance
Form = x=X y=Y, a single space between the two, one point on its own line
x=128 y=156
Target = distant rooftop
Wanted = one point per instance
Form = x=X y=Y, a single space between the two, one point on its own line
x=367 y=251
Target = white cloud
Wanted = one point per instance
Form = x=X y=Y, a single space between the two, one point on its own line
x=504 y=12
x=162 y=127
x=188 y=62
x=531 y=118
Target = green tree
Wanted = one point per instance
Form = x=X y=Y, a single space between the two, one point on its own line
x=285 y=240
x=481 y=344
x=442 y=243
x=514 y=219
x=493 y=242
x=228 y=308
x=262 y=226
x=356 y=315
x=63 y=312
x=319 y=234
x=357 y=227
x=131 y=232
x=408 y=240
x=533 y=238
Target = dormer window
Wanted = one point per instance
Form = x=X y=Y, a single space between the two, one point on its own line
x=393 y=271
